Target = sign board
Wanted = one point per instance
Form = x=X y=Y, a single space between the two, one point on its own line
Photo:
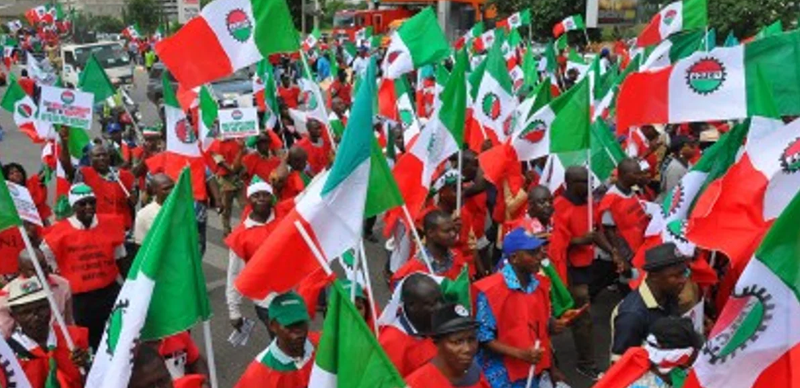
x=238 y=122
x=24 y=203
x=66 y=107
x=188 y=9
x=611 y=12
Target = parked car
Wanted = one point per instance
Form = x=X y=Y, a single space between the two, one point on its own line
x=235 y=90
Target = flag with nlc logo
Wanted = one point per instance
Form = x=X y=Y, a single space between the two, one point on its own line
x=227 y=36
x=716 y=85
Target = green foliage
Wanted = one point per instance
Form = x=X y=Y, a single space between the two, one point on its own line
x=147 y=13
x=746 y=17
x=107 y=24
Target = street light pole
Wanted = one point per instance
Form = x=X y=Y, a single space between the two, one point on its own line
x=303 y=16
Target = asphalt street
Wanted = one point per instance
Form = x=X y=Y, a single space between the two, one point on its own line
x=231 y=361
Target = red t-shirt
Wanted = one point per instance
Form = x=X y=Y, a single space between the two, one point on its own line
x=290 y=96
x=318 y=155
x=256 y=164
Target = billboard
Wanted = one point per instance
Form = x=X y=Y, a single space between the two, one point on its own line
x=611 y=12
x=187 y=9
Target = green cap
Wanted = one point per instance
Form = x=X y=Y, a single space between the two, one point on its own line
x=288 y=309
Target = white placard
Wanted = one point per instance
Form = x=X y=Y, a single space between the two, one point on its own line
x=238 y=122
x=187 y=9
x=24 y=203
x=66 y=106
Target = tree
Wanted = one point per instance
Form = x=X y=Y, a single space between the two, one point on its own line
x=746 y=17
x=107 y=24
x=145 y=13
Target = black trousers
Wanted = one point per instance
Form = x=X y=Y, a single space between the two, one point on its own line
x=91 y=310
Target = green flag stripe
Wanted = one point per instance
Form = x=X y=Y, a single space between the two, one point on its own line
x=780 y=251
x=9 y=217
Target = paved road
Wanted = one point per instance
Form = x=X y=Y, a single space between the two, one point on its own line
x=230 y=361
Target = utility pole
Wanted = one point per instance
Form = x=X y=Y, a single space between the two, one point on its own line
x=303 y=16
x=316 y=14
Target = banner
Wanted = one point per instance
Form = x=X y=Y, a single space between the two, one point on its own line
x=616 y=12
x=66 y=107
x=24 y=203
x=238 y=122
x=187 y=9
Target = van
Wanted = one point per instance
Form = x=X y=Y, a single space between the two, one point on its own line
x=111 y=56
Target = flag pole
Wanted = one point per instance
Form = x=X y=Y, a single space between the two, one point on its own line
x=212 y=366
x=417 y=239
x=586 y=35
x=50 y=299
x=370 y=296
x=313 y=247
x=460 y=181
x=357 y=259
x=589 y=202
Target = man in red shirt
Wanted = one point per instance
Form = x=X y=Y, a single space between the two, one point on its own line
x=341 y=88
x=227 y=158
x=441 y=235
x=181 y=356
x=572 y=250
x=318 y=147
x=289 y=93
x=113 y=188
x=85 y=249
x=404 y=340
x=622 y=216
x=262 y=162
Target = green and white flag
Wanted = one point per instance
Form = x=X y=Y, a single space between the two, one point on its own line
x=516 y=20
x=9 y=218
x=754 y=342
x=561 y=126
x=495 y=102
x=673 y=49
x=181 y=136
x=209 y=112
x=571 y=23
x=311 y=95
x=349 y=51
x=363 y=34
x=311 y=40
x=164 y=293
x=348 y=353
x=418 y=42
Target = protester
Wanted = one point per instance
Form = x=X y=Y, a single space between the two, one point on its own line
x=161 y=186
x=681 y=152
x=181 y=356
x=573 y=249
x=656 y=297
x=441 y=234
x=14 y=172
x=243 y=242
x=227 y=157
x=513 y=312
x=622 y=216
x=289 y=93
x=287 y=361
x=59 y=286
x=38 y=344
x=662 y=360
x=113 y=188
x=317 y=147
x=86 y=248
x=454 y=333
x=149 y=370
x=263 y=160
x=405 y=341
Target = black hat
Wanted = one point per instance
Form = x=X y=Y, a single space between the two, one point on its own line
x=451 y=318
x=662 y=256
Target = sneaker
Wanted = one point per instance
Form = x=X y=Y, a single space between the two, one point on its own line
x=590 y=371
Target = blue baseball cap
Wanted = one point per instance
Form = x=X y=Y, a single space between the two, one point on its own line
x=521 y=240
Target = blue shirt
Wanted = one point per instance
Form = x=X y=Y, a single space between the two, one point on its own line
x=492 y=363
x=323 y=69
